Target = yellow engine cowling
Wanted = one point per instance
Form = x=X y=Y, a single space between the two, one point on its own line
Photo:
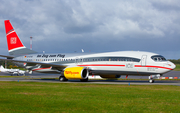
x=76 y=73
x=110 y=76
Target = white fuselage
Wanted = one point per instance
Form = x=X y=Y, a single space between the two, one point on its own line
x=110 y=63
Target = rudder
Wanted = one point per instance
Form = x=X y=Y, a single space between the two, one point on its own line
x=15 y=45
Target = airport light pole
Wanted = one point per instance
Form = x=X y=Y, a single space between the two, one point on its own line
x=31 y=43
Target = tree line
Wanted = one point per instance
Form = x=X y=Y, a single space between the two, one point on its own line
x=8 y=64
x=175 y=61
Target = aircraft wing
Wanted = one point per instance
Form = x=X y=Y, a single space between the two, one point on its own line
x=54 y=65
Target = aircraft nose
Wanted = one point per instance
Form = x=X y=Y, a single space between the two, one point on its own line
x=173 y=66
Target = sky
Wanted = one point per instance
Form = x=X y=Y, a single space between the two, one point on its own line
x=67 y=26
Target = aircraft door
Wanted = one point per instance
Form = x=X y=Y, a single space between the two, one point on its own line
x=143 y=60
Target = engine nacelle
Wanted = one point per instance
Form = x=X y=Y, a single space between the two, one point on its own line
x=110 y=76
x=76 y=73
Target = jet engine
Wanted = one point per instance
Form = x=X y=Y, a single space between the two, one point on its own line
x=76 y=73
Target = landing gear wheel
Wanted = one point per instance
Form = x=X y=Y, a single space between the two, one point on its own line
x=62 y=78
x=84 y=80
x=151 y=80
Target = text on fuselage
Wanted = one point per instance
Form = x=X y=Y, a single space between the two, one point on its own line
x=50 y=56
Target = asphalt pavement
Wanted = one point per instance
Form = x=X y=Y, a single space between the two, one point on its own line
x=39 y=77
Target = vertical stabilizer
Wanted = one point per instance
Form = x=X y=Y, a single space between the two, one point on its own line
x=15 y=46
x=1 y=68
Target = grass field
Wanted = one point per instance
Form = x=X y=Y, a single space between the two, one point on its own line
x=177 y=67
x=67 y=97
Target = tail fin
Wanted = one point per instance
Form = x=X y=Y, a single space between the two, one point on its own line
x=15 y=46
x=1 y=68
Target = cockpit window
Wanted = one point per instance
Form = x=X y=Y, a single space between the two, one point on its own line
x=158 y=58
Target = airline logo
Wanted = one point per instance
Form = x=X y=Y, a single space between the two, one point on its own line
x=13 y=40
x=73 y=72
x=70 y=72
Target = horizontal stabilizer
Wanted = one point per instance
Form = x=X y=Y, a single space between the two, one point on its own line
x=8 y=57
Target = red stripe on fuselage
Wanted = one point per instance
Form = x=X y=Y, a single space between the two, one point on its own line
x=101 y=65
x=124 y=66
x=153 y=67
x=41 y=69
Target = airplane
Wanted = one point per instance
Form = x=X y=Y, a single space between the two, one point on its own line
x=12 y=71
x=81 y=65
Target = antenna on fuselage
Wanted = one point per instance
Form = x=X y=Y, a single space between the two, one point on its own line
x=82 y=50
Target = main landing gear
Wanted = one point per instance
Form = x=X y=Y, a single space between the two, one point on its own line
x=151 y=80
x=84 y=80
x=152 y=77
x=62 y=78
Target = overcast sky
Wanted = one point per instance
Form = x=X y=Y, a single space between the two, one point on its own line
x=59 y=26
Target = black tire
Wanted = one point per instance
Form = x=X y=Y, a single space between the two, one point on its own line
x=62 y=78
x=84 y=80
x=151 y=80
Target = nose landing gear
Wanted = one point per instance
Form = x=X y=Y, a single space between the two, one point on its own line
x=151 y=80
x=152 y=77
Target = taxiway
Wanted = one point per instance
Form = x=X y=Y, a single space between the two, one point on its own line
x=37 y=77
